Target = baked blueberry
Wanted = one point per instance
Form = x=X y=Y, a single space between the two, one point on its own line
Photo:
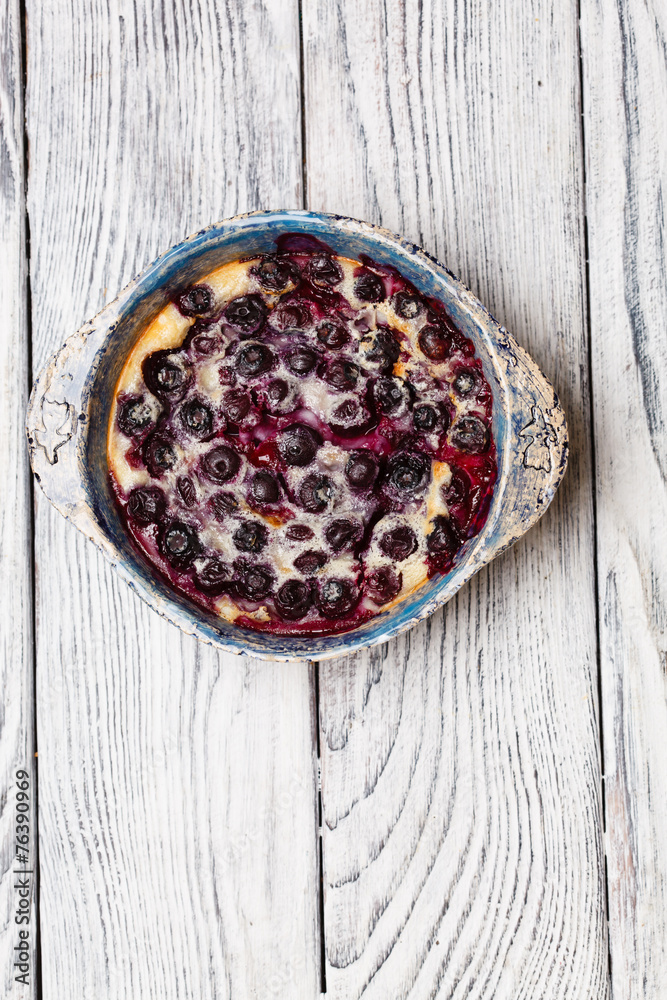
x=398 y=543
x=236 y=404
x=424 y=418
x=179 y=544
x=350 y=418
x=293 y=600
x=197 y=418
x=186 y=491
x=408 y=473
x=435 y=343
x=389 y=394
x=332 y=334
x=159 y=455
x=301 y=360
x=223 y=504
x=362 y=469
x=315 y=493
x=247 y=313
x=147 y=505
x=276 y=273
x=292 y=314
x=167 y=375
x=298 y=445
x=383 y=584
x=299 y=532
x=253 y=360
x=250 y=536
x=324 y=272
x=407 y=305
x=265 y=488
x=342 y=374
x=369 y=287
x=442 y=540
x=309 y=562
x=135 y=416
x=465 y=382
x=470 y=434
x=336 y=598
x=195 y=301
x=384 y=352
x=343 y=534
x=277 y=396
x=220 y=464
x=253 y=581
x=213 y=575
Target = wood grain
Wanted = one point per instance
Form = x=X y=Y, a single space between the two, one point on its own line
x=460 y=764
x=17 y=737
x=625 y=104
x=178 y=787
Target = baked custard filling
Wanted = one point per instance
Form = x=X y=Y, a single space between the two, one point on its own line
x=300 y=441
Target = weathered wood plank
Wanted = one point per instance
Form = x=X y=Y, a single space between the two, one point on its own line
x=460 y=764
x=178 y=788
x=625 y=103
x=16 y=657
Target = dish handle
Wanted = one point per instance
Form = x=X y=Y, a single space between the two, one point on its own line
x=536 y=447
x=56 y=425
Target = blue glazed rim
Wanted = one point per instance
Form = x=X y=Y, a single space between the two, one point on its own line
x=93 y=358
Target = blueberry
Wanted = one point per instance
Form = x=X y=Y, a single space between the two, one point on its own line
x=220 y=464
x=204 y=343
x=383 y=584
x=250 y=536
x=166 y=374
x=398 y=543
x=389 y=393
x=186 y=491
x=343 y=534
x=407 y=304
x=293 y=314
x=470 y=434
x=298 y=445
x=252 y=580
x=277 y=392
x=408 y=472
x=301 y=360
x=442 y=540
x=458 y=488
x=196 y=301
x=197 y=418
x=293 y=600
x=275 y=273
x=362 y=469
x=315 y=493
x=332 y=334
x=369 y=287
x=336 y=598
x=299 y=532
x=324 y=272
x=159 y=454
x=424 y=418
x=435 y=343
x=342 y=374
x=247 y=313
x=385 y=351
x=134 y=416
x=465 y=382
x=236 y=405
x=265 y=488
x=253 y=360
x=309 y=562
x=179 y=544
x=147 y=505
x=213 y=575
x=349 y=418
x=223 y=504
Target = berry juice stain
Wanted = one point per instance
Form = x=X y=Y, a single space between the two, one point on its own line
x=299 y=441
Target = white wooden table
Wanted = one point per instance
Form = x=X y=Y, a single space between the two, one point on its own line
x=492 y=819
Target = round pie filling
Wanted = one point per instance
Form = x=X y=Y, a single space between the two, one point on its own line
x=300 y=441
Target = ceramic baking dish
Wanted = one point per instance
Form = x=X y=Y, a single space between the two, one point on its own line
x=71 y=400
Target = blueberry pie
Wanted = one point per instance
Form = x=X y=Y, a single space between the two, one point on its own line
x=299 y=441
